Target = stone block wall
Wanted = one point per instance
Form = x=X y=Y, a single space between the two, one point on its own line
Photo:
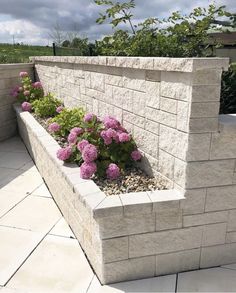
x=171 y=106
x=9 y=77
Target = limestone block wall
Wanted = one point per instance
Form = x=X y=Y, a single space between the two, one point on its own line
x=9 y=77
x=171 y=106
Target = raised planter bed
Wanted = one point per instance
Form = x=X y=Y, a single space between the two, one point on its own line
x=126 y=236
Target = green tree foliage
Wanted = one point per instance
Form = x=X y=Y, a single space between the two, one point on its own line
x=176 y=36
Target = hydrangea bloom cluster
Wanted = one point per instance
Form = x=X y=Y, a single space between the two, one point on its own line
x=26 y=106
x=28 y=90
x=87 y=170
x=102 y=147
x=82 y=144
x=113 y=171
x=64 y=153
x=89 y=153
x=54 y=127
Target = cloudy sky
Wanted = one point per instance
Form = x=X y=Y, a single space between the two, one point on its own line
x=31 y=21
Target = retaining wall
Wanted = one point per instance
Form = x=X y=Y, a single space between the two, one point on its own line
x=9 y=78
x=171 y=106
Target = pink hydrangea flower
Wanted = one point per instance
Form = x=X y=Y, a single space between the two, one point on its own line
x=89 y=153
x=87 y=170
x=107 y=140
x=26 y=93
x=113 y=171
x=20 y=89
x=72 y=138
x=26 y=106
x=136 y=155
x=23 y=74
x=82 y=144
x=37 y=85
x=59 y=109
x=77 y=130
x=89 y=117
x=111 y=122
x=64 y=153
x=54 y=127
x=124 y=137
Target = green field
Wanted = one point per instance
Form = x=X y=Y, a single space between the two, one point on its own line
x=21 y=53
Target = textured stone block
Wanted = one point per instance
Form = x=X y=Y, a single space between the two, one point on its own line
x=115 y=249
x=214 y=234
x=134 y=119
x=177 y=262
x=97 y=81
x=232 y=221
x=206 y=218
x=146 y=141
x=180 y=173
x=136 y=203
x=173 y=141
x=169 y=220
x=210 y=109
x=230 y=237
x=223 y=144
x=176 y=85
x=165 y=241
x=218 y=255
x=134 y=79
x=130 y=269
x=153 y=75
x=166 y=200
x=153 y=94
x=183 y=113
x=205 y=93
x=151 y=126
x=221 y=198
x=209 y=173
x=124 y=97
x=194 y=202
x=198 y=147
x=139 y=103
x=130 y=224
x=168 y=105
x=166 y=164
x=201 y=125
x=207 y=77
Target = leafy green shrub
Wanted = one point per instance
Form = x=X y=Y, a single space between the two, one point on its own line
x=176 y=36
x=28 y=91
x=68 y=119
x=46 y=107
x=228 y=91
x=103 y=147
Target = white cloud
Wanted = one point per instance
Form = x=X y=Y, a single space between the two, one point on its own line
x=22 y=31
x=30 y=21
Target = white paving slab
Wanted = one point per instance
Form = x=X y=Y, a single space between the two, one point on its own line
x=15 y=247
x=14 y=160
x=34 y=213
x=210 y=280
x=158 y=284
x=8 y=200
x=14 y=145
x=57 y=265
x=7 y=175
x=21 y=181
x=42 y=190
x=62 y=229
x=232 y=266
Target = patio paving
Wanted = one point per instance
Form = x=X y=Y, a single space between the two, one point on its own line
x=38 y=250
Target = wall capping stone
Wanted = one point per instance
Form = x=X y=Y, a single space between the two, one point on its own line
x=149 y=63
